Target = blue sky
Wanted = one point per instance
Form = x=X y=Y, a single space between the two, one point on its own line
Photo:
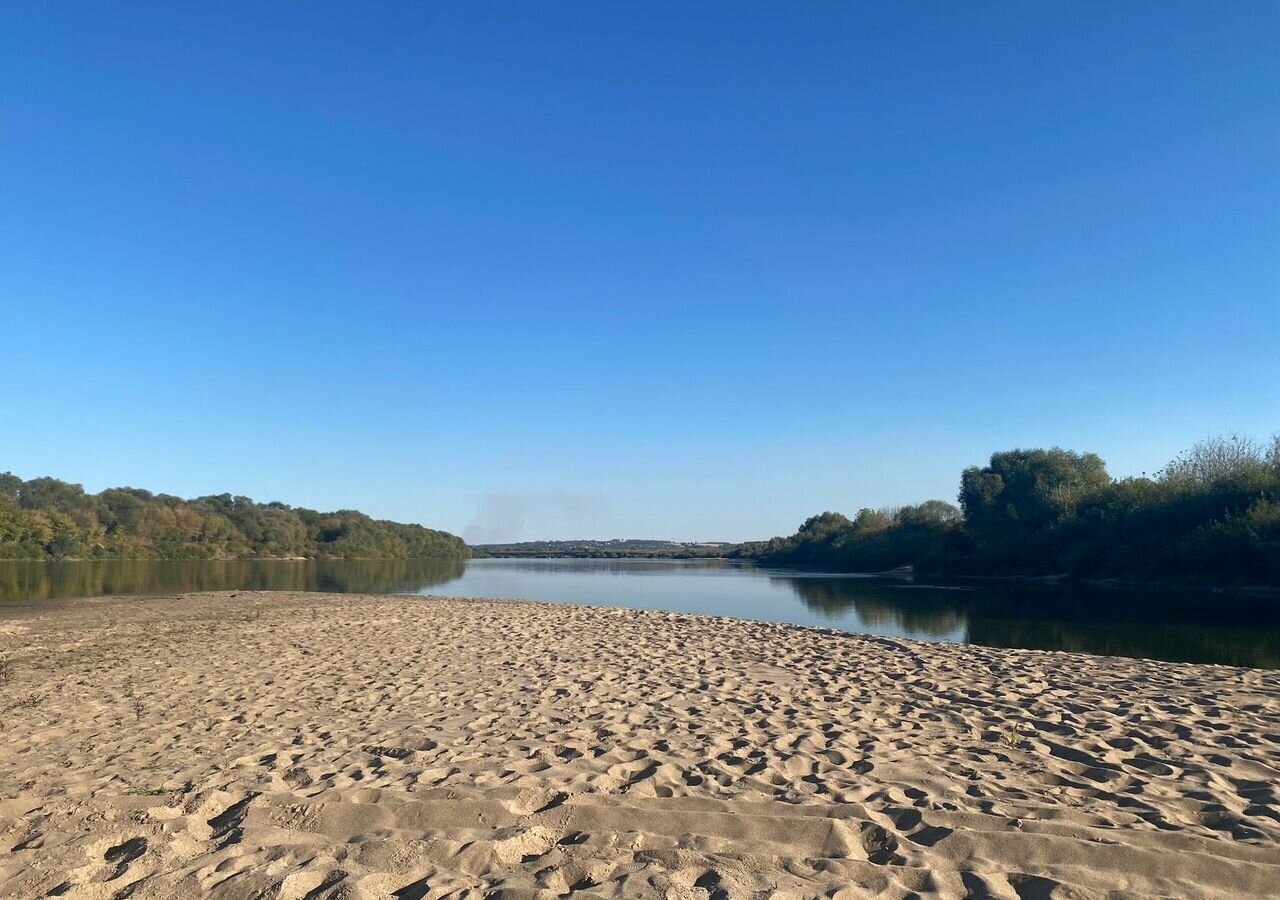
x=585 y=269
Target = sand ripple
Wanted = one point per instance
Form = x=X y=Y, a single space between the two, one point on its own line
x=303 y=746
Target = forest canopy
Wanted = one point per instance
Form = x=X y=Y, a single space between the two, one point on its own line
x=45 y=518
x=1210 y=515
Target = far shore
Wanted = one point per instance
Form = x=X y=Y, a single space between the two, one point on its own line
x=247 y=744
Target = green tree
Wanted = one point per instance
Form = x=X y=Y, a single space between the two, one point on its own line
x=1021 y=491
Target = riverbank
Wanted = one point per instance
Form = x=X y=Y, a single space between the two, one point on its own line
x=296 y=745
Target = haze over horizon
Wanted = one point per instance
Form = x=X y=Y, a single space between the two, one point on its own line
x=685 y=273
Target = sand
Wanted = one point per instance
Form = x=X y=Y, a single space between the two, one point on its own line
x=290 y=746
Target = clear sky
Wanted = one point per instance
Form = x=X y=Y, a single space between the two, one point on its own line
x=524 y=270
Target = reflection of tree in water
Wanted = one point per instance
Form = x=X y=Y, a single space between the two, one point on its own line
x=45 y=580
x=880 y=603
x=1184 y=626
x=1219 y=630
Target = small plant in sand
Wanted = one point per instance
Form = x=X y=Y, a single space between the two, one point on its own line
x=134 y=699
x=6 y=671
x=29 y=701
x=1013 y=737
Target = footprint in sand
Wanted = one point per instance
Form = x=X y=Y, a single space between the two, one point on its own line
x=524 y=845
x=122 y=854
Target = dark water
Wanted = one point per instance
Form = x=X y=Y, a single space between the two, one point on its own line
x=1194 y=626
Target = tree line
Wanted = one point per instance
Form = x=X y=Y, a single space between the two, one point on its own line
x=633 y=548
x=1210 y=515
x=45 y=518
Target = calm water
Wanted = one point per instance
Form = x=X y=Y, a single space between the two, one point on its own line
x=1185 y=626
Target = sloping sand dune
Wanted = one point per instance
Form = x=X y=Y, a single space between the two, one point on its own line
x=295 y=746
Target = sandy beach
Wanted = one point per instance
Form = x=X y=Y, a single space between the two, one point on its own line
x=291 y=746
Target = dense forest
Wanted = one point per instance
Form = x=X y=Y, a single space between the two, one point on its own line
x=45 y=518
x=1211 y=515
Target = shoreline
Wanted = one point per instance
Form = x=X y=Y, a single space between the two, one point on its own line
x=232 y=743
x=1057 y=580
x=21 y=609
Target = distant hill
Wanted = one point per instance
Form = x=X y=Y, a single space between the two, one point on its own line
x=45 y=518
x=611 y=549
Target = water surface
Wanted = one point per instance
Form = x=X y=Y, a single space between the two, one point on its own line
x=1193 y=626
